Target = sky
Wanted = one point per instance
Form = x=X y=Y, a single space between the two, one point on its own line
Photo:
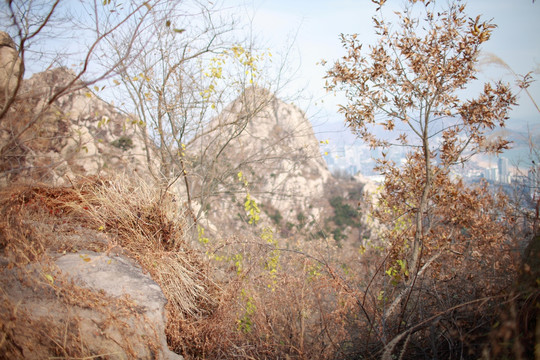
x=315 y=25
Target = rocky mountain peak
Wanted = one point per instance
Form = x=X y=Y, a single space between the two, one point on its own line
x=6 y=40
x=273 y=144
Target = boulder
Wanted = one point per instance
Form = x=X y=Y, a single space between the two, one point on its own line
x=105 y=302
x=274 y=146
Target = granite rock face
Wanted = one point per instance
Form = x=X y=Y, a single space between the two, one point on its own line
x=273 y=144
x=10 y=66
x=77 y=135
x=113 y=307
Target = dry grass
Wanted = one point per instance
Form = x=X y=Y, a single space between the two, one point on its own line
x=101 y=215
x=35 y=226
x=248 y=297
x=149 y=226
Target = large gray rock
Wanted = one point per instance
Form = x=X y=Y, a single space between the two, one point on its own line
x=122 y=314
x=10 y=66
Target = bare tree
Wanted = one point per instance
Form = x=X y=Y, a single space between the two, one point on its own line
x=190 y=70
x=59 y=34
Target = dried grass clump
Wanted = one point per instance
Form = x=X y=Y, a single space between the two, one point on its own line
x=150 y=227
x=35 y=225
x=30 y=219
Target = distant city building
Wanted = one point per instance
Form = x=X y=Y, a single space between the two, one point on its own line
x=491 y=174
x=359 y=158
x=534 y=181
x=348 y=159
x=504 y=175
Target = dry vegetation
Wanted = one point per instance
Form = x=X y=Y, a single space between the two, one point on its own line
x=251 y=297
x=443 y=277
x=37 y=224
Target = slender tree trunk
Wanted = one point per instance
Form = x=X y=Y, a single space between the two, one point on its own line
x=419 y=218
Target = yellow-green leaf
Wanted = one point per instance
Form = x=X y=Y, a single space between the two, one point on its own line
x=50 y=278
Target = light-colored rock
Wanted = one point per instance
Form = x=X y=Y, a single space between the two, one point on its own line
x=104 y=326
x=79 y=135
x=274 y=146
x=10 y=66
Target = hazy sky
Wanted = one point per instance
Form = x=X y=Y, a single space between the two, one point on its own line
x=316 y=25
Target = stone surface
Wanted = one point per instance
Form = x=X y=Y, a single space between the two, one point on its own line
x=140 y=329
x=274 y=146
x=10 y=66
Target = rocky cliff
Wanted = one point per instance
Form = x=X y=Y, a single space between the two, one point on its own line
x=76 y=134
x=273 y=145
x=10 y=66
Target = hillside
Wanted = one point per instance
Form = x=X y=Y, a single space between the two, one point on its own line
x=198 y=234
x=97 y=259
x=271 y=143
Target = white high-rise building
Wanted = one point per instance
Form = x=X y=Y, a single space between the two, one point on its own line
x=504 y=175
x=491 y=174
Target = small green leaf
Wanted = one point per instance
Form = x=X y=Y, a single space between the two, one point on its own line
x=179 y=31
x=50 y=278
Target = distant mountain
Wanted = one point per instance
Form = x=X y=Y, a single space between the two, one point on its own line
x=273 y=145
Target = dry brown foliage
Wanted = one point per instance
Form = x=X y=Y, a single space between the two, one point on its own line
x=249 y=296
x=35 y=225
x=449 y=247
x=246 y=311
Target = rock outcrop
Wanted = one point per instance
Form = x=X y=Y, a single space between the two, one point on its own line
x=273 y=144
x=10 y=67
x=78 y=134
x=111 y=309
